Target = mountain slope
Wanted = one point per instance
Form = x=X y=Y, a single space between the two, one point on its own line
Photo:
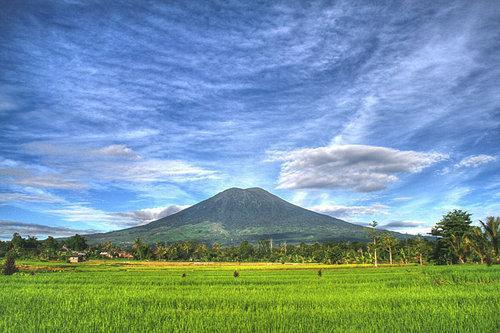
x=235 y=215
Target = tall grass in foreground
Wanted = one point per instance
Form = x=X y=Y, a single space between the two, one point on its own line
x=116 y=297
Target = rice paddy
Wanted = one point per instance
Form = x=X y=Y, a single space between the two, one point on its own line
x=119 y=296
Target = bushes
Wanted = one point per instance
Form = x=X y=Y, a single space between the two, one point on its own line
x=9 y=267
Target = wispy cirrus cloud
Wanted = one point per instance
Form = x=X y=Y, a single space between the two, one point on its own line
x=31 y=196
x=20 y=173
x=73 y=167
x=475 y=161
x=472 y=161
x=176 y=98
x=116 y=151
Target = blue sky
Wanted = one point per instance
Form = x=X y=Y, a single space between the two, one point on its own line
x=115 y=115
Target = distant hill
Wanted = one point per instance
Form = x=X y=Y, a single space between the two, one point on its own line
x=235 y=215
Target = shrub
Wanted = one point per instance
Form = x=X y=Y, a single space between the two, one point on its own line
x=9 y=267
x=236 y=274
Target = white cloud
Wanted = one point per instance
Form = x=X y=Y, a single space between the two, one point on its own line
x=475 y=161
x=50 y=181
x=472 y=161
x=403 y=224
x=299 y=198
x=360 y=168
x=79 y=212
x=399 y=199
x=155 y=170
x=82 y=213
x=350 y=211
x=19 y=173
x=144 y=216
x=115 y=163
x=8 y=228
x=117 y=151
x=410 y=227
x=29 y=197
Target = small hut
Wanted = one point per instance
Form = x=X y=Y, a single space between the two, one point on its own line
x=76 y=258
x=106 y=255
x=125 y=255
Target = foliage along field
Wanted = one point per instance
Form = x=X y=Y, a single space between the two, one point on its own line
x=118 y=296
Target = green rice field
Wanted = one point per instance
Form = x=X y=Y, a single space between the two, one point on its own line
x=119 y=296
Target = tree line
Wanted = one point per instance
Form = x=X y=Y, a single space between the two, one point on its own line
x=455 y=241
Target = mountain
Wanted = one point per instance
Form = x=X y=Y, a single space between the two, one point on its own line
x=235 y=215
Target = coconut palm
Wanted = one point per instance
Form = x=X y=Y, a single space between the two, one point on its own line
x=491 y=230
x=476 y=241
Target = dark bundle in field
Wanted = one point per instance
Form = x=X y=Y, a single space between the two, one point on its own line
x=183 y=275
x=320 y=272
x=9 y=266
x=236 y=274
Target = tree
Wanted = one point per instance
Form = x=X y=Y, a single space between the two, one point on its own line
x=477 y=242
x=9 y=266
x=17 y=243
x=452 y=231
x=216 y=251
x=245 y=251
x=141 y=250
x=31 y=246
x=200 y=252
x=492 y=231
x=50 y=247
x=4 y=248
x=108 y=247
x=161 y=251
x=264 y=248
x=374 y=236
x=389 y=243
x=76 y=243
x=420 y=248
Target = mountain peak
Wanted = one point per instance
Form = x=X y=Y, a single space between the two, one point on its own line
x=238 y=192
x=238 y=214
x=239 y=189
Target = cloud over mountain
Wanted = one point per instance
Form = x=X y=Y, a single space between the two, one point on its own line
x=147 y=215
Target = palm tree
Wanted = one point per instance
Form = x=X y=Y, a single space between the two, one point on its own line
x=161 y=251
x=478 y=243
x=491 y=230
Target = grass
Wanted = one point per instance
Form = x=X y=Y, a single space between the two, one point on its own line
x=119 y=296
